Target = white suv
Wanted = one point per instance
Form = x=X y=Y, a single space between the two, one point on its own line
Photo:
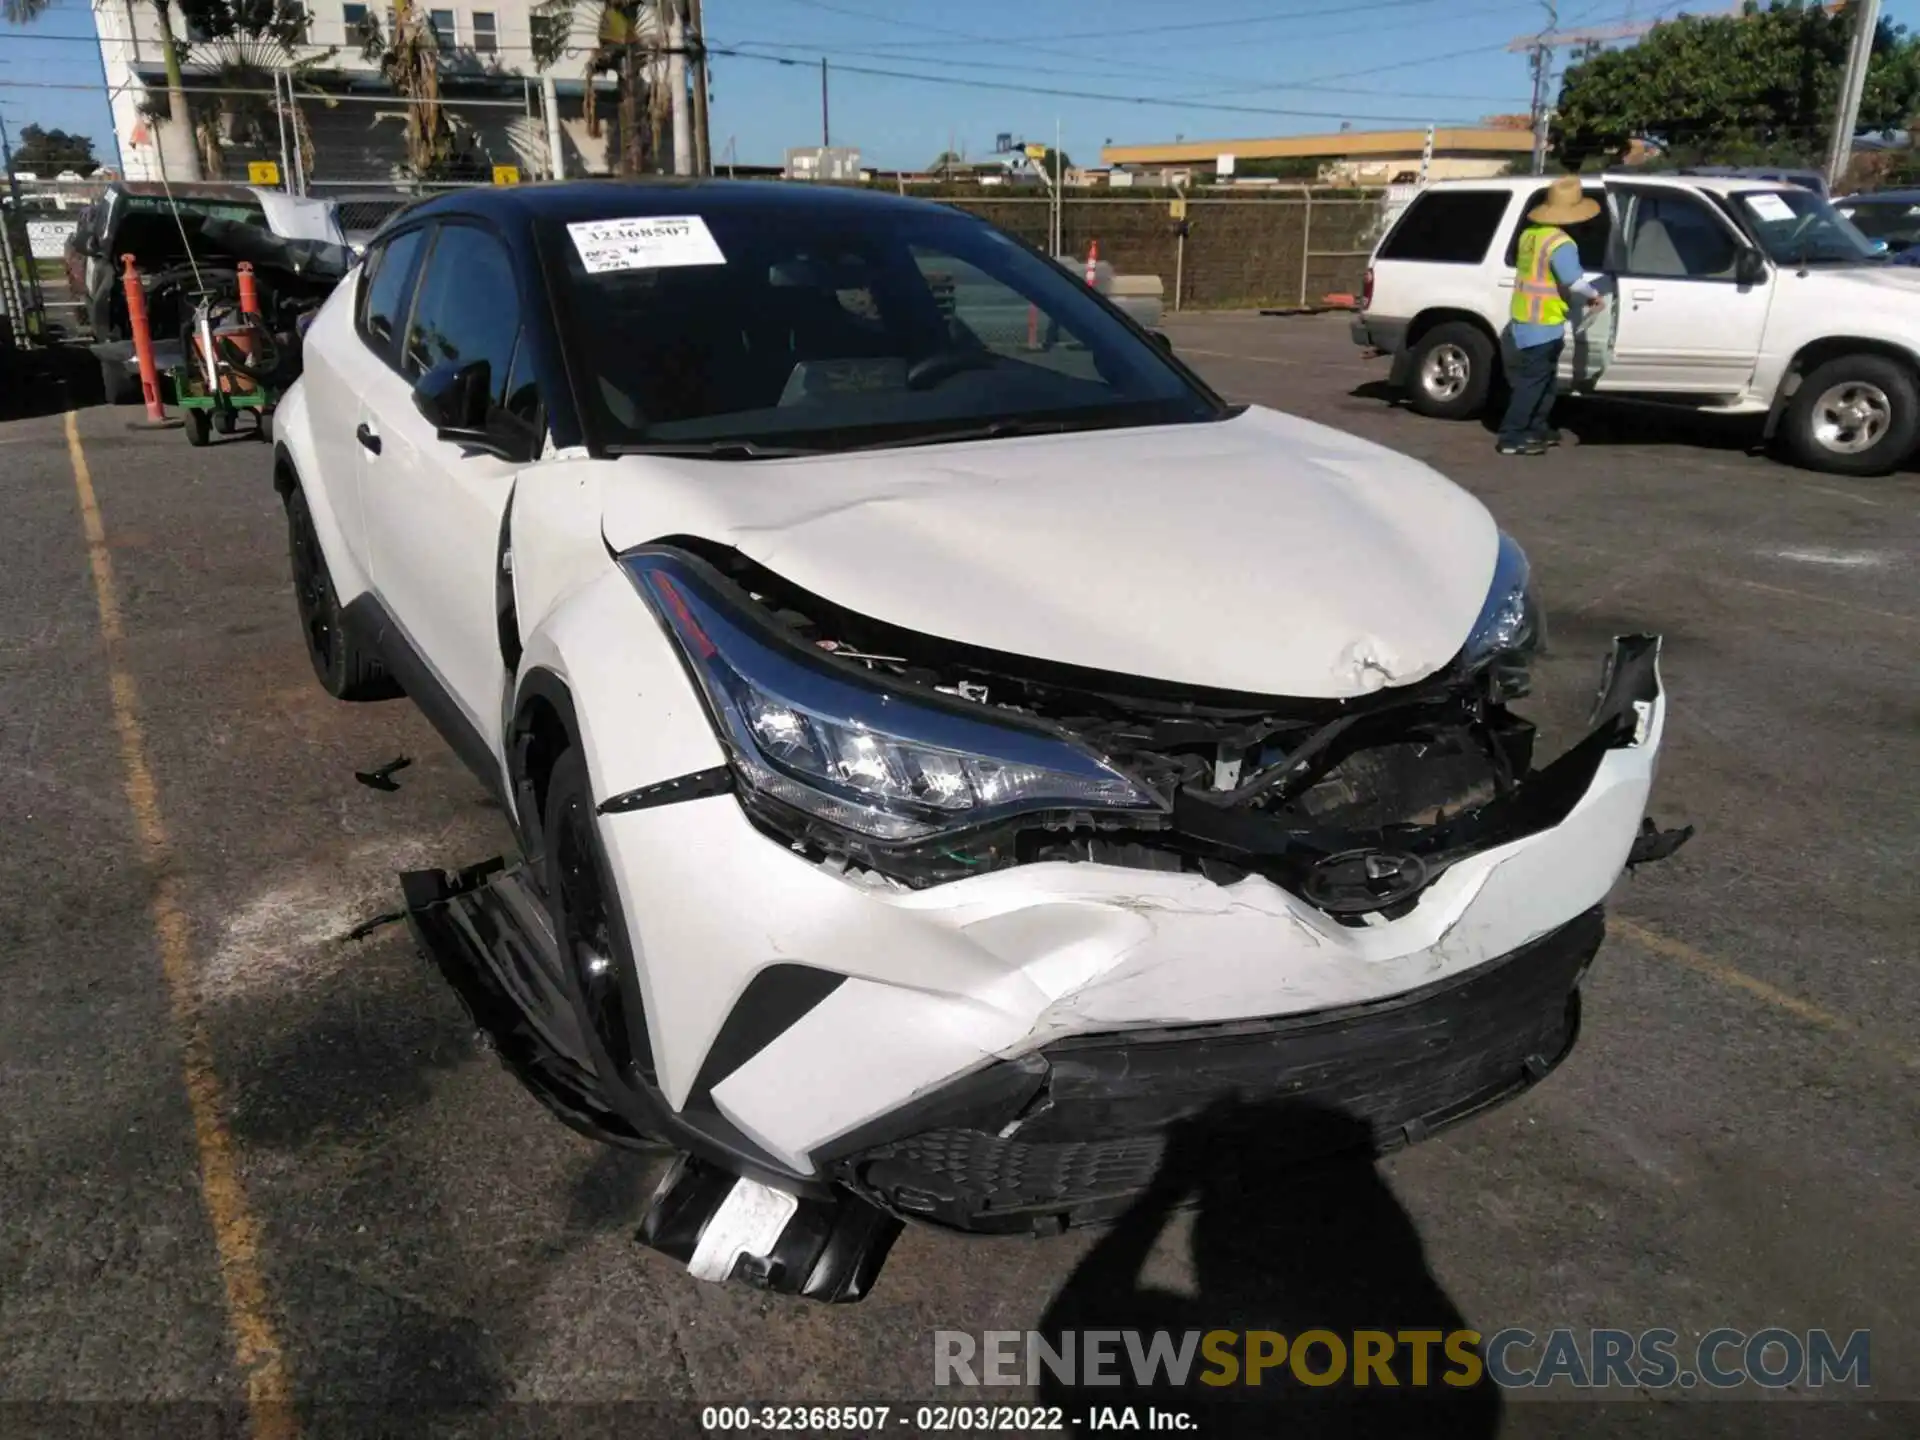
x=1733 y=296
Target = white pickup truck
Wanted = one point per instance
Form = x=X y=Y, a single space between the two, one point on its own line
x=1731 y=296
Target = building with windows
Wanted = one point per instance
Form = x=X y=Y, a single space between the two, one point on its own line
x=494 y=97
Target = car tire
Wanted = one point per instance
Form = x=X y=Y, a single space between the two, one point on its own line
x=199 y=426
x=581 y=900
x=1450 y=371
x=1857 y=415
x=344 y=668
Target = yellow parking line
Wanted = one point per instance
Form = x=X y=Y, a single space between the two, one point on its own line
x=1737 y=979
x=235 y=1234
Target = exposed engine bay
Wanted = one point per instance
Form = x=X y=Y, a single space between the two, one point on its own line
x=1354 y=805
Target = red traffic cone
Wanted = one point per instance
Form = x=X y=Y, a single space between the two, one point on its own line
x=1093 y=264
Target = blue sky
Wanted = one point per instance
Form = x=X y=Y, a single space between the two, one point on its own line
x=1290 y=65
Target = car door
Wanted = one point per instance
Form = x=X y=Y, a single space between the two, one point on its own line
x=434 y=508
x=1587 y=354
x=1686 y=324
x=335 y=367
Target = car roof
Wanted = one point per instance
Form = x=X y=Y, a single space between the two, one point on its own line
x=1717 y=184
x=573 y=200
x=1891 y=197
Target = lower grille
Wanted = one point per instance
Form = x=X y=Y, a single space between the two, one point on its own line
x=1373 y=1076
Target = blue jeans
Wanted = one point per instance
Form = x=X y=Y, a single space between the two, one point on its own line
x=1531 y=373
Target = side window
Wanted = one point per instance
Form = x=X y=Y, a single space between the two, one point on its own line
x=1453 y=227
x=386 y=289
x=467 y=310
x=1673 y=236
x=1589 y=235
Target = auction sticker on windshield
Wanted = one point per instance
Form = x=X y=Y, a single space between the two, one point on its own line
x=1769 y=206
x=652 y=242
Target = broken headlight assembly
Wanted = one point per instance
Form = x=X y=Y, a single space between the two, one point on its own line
x=832 y=744
x=1510 y=627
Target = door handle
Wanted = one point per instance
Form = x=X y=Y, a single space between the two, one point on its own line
x=1640 y=295
x=368 y=440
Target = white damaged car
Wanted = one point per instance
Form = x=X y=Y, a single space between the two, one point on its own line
x=948 y=746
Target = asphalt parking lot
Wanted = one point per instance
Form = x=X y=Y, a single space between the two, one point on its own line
x=250 y=1161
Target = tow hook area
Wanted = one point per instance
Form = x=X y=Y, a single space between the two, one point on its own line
x=725 y=1227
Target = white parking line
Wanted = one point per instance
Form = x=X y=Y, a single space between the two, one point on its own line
x=1235 y=355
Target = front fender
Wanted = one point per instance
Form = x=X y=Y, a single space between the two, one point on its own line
x=638 y=717
x=296 y=463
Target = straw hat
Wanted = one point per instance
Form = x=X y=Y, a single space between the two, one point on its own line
x=1565 y=204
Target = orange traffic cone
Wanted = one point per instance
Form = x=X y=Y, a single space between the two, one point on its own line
x=1093 y=263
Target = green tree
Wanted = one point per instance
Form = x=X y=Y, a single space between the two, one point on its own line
x=51 y=151
x=1760 y=86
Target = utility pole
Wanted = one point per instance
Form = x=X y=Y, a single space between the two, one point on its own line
x=826 y=132
x=1866 y=21
x=697 y=42
x=1542 y=80
x=677 y=89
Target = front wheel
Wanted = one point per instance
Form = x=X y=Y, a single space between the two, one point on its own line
x=345 y=670
x=1857 y=415
x=1451 y=371
x=581 y=899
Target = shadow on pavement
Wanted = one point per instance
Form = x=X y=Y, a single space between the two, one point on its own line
x=1277 y=1246
x=48 y=382
x=1623 y=422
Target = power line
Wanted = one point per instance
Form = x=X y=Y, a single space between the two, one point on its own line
x=1159 y=31
x=814 y=49
x=1005 y=87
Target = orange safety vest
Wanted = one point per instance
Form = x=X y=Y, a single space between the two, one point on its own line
x=1536 y=294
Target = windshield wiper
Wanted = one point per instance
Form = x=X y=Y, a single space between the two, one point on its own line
x=991 y=430
x=715 y=450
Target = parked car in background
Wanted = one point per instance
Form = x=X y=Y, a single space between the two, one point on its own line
x=1812 y=180
x=361 y=215
x=948 y=745
x=160 y=227
x=1731 y=296
x=1890 y=217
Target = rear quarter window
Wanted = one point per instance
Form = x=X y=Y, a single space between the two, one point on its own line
x=1448 y=227
x=1589 y=235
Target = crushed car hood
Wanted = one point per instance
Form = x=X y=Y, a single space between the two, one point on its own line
x=1263 y=554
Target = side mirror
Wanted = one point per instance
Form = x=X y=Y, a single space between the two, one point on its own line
x=453 y=396
x=1750 y=267
x=1162 y=339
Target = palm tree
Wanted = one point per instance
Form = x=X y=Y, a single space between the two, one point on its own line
x=628 y=36
x=244 y=64
x=410 y=59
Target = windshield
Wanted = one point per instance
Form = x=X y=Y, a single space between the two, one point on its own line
x=1797 y=227
x=827 y=331
x=1895 y=221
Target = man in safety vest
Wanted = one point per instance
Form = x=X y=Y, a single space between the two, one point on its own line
x=1547 y=270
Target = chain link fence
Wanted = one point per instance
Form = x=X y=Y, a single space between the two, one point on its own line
x=1270 y=251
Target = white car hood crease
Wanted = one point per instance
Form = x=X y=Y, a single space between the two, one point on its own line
x=1264 y=554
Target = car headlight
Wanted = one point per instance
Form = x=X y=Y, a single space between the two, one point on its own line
x=852 y=749
x=1510 y=626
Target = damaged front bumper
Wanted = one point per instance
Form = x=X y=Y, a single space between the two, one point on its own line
x=1012 y=1050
